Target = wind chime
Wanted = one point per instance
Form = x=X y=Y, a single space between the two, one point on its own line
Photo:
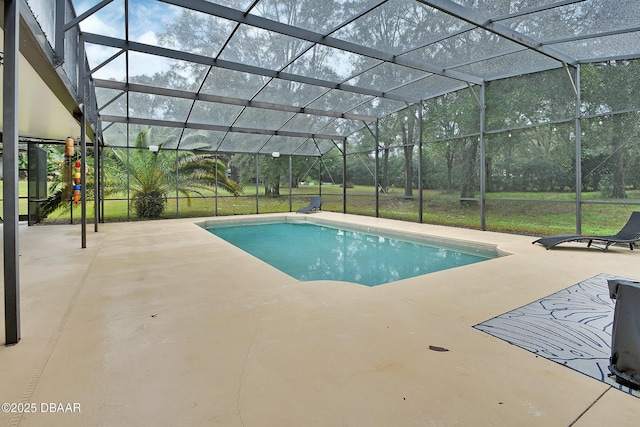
x=74 y=179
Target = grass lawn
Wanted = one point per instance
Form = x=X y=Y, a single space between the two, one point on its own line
x=519 y=213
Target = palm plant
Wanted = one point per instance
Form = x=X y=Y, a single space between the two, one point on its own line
x=151 y=176
x=61 y=189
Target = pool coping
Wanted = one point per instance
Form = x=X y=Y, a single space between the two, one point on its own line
x=413 y=236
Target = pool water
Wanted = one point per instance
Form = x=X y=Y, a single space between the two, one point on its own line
x=313 y=252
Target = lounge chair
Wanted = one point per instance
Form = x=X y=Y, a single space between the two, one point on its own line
x=314 y=205
x=629 y=234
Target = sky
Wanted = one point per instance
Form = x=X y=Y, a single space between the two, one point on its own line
x=144 y=27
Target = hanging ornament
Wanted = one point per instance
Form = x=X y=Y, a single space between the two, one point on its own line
x=76 y=179
x=68 y=151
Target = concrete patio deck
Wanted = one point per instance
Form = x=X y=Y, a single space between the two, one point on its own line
x=162 y=323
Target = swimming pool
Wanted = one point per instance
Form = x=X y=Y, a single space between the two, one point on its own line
x=308 y=251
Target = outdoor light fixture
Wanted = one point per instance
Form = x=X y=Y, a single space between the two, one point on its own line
x=154 y=148
x=275 y=154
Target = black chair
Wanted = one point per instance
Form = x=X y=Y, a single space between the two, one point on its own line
x=629 y=234
x=314 y=205
x=625 y=335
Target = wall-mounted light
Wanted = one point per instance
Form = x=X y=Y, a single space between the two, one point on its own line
x=154 y=148
x=275 y=154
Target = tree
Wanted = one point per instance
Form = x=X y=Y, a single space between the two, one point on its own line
x=151 y=176
x=59 y=171
x=272 y=169
x=407 y=128
x=609 y=88
x=452 y=118
x=532 y=152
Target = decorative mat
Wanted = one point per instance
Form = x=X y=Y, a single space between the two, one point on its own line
x=571 y=327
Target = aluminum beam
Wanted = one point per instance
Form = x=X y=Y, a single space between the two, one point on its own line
x=218 y=128
x=593 y=36
x=10 y=172
x=483 y=155
x=420 y=161
x=86 y=14
x=132 y=87
x=578 y=131
x=536 y=9
x=235 y=66
x=468 y=15
x=83 y=147
x=317 y=38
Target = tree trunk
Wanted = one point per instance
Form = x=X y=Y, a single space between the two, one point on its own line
x=276 y=187
x=449 y=157
x=408 y=170
x=407 y=147
x=489 y=174
x=617 y=162
x=469 y=155
x=385 y=170
x=272 y=187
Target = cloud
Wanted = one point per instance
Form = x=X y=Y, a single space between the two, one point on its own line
x=148 y=37
x=146 y=20
x=94 y=24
